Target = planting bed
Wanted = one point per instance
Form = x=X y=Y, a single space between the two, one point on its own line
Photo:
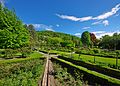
x=93 y=78
x=107 y=71
x=64 y=77
x=22 y=72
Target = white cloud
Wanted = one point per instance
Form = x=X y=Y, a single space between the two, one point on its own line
x=99 y=17
x=108 y=14
x=73 y=18
x=99 y=34
x=106 y=22
x=43 y=27
x=57 y=25
x=85 y=27
x=96 y=23
x=85 y=18
x=77 y=34
x=49 y=29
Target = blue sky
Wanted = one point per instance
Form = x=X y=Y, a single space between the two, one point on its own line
x=69 y=16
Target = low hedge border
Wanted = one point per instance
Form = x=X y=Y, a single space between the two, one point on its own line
x=107 y=71
x=92 y=75
x=20 y=59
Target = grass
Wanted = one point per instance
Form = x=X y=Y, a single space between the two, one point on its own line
x=102 y=61
x=102 y=76
x=88 y=58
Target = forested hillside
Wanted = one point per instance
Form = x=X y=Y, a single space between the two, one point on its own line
x=53 y=40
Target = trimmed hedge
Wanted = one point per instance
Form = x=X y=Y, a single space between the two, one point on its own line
x=107 y=71
x=91 y=76
x=34 y=55
x=101 y=55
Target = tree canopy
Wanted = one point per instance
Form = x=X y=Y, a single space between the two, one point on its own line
x=12 y=32
x=85 y=38
x=110 y=42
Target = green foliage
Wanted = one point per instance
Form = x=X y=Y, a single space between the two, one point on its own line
x=110 y=42
x=12 y=32
x=85 y=38
x=92 y=73
x=23 y=73
x=9 y=53
x=34 y=55
x=66 y=79
x=25 y=51
x=33 y=36
x=56 y=40
x=101 y=60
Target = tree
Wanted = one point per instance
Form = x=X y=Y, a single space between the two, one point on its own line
x=106 y=42
x=33 y=35
x=12 y=33
x=85 y=38
x=110 y=42
x=93 y=38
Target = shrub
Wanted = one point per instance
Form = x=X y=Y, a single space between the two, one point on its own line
x=25 y=51
x=9 y=53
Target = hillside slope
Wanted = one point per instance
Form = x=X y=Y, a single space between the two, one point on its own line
x=57 y=40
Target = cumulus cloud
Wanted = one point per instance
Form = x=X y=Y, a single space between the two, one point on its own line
x=43 y=27
x=99 y=17
x=99 y=34
x=77 y=34
x=85 y=27
x=106 y=22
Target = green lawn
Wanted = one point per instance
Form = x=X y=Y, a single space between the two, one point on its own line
x=102 y=76
x=103 y=61
x=98 y=60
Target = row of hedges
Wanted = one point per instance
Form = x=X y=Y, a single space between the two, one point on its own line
x=34 y=55
x=91 y=76
x=15 y=53
x=107 y=71
x=96 y=53
x=48 y=52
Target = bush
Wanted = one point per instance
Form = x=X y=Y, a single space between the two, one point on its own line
x=22 y=73
x=9 y=53
x=96 y=51
x=25 y=52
